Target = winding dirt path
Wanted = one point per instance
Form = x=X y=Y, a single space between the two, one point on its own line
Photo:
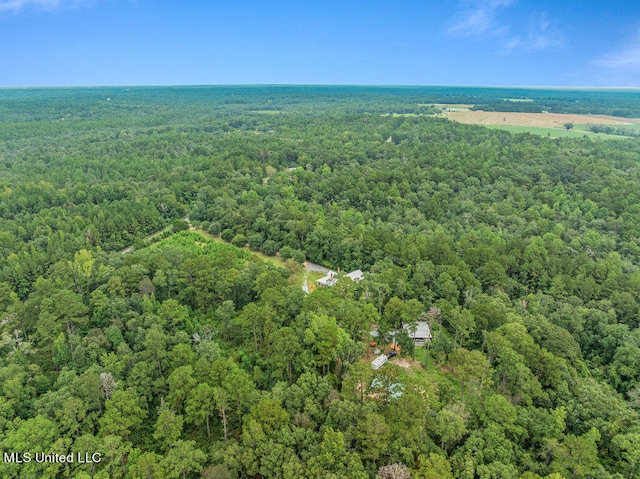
x=308 y=266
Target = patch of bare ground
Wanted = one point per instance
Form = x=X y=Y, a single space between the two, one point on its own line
x=542 y=120
x=405 y=363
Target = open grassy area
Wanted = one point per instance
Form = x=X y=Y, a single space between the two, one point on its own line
x=543 y=124
x=274 y=260
x=421 y=354
x=556 y=132
x=633 y=128
x=315 y=275
x=312 y=277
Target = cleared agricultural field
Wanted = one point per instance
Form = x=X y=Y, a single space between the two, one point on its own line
x=539 y=120
x=544 y=124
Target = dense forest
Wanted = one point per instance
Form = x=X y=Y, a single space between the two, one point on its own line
x=197 y=353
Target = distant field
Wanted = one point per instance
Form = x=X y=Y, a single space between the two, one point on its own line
x=540 y=120
x=544 y=124
x=576 y=132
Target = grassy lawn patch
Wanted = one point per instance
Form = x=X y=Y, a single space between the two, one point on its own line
x=273 y=260
x=555 y=132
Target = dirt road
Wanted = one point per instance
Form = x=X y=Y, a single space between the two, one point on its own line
x=308 y=266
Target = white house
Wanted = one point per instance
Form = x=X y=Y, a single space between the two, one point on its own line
x=332 y=278
x=329 y=280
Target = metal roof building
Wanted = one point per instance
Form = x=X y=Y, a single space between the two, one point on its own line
x=422 y=333
x=378 y=362
x=332 y=278
x=329 y=280
x=356 y=275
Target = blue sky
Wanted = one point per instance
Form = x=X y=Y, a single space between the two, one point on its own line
x=398 y=42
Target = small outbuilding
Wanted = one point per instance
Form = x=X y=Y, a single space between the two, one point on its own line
x=378 y=362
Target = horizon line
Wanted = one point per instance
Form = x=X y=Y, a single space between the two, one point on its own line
x=360 y=85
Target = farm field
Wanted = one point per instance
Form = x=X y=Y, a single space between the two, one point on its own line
x=578 y=131
x=544 y=124
x=542 y=120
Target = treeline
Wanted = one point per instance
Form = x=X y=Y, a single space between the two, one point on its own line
x=59 y=110
x=512 y=106
x=614 y=130
x=587 y=102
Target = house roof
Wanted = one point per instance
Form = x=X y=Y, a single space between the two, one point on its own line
x=379 y=361
x=356 y=275
x=332 y=277
x=329 y=280
x=422 y=330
